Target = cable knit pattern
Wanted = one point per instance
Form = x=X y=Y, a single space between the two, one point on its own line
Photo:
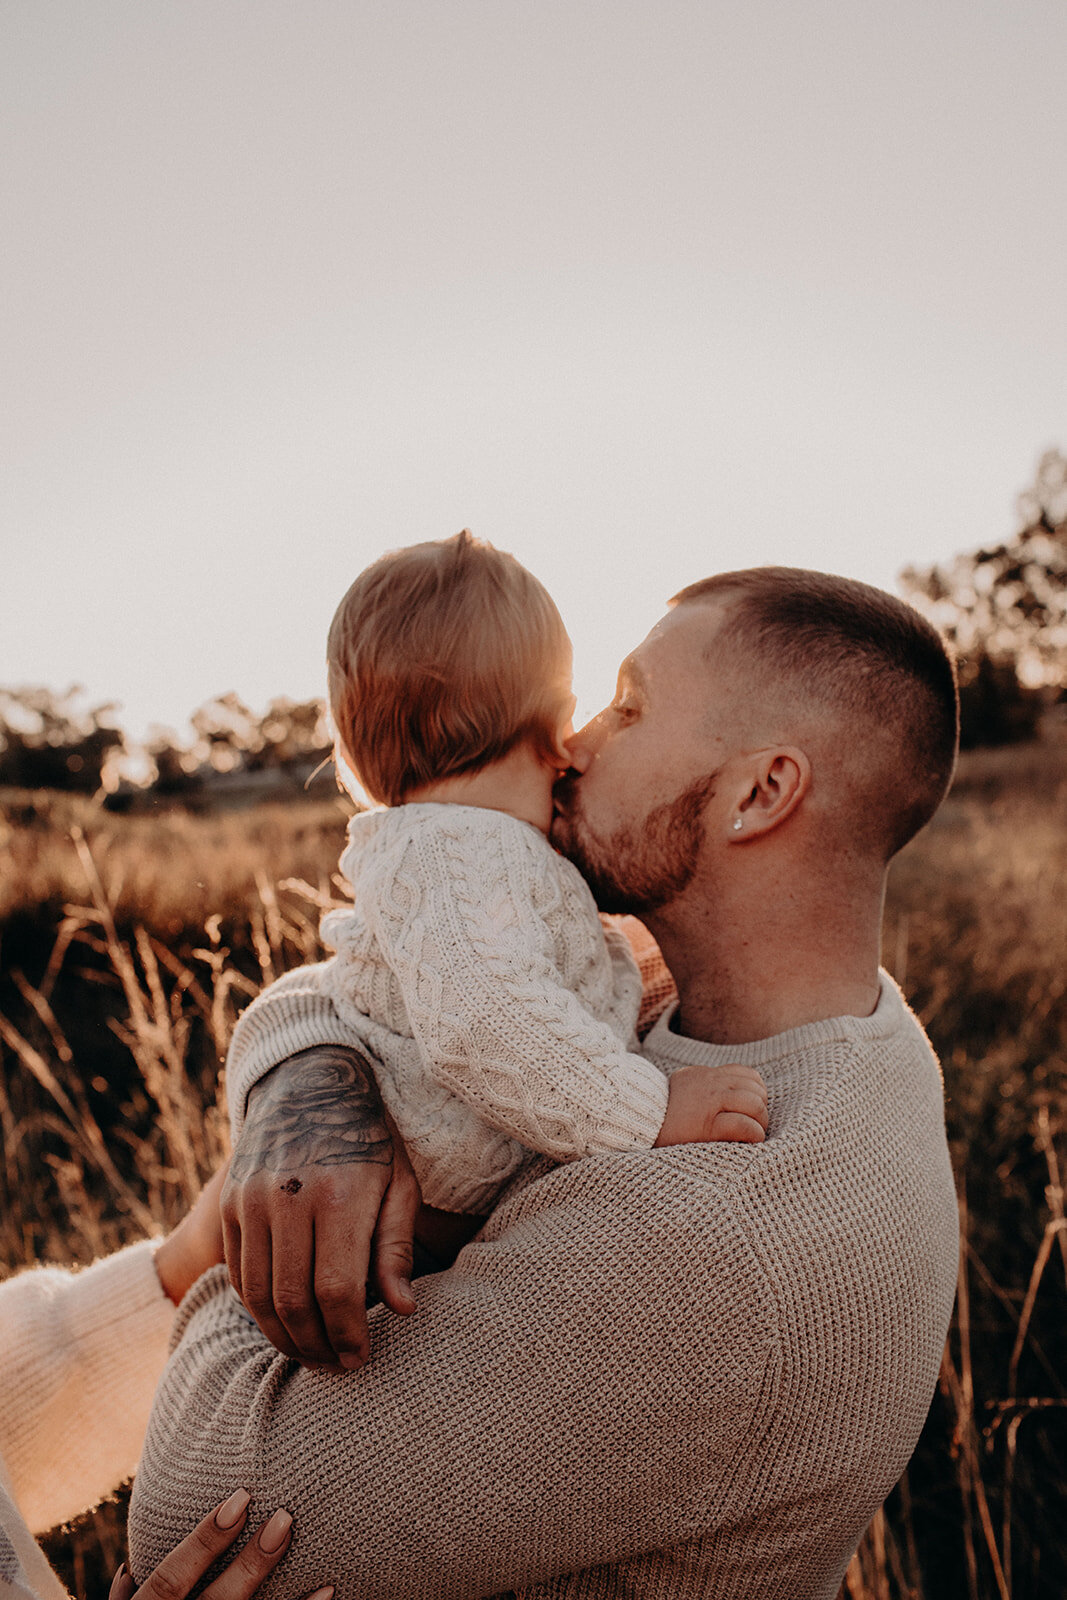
x=80 y=1354
x=502 y=1013
x=691 y=1372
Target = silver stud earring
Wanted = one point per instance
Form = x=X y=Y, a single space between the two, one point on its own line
x=737 y=824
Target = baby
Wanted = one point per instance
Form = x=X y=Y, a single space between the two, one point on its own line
x=473 y=962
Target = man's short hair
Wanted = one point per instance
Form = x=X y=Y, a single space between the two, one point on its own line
x=863 y=653
x=441 y=658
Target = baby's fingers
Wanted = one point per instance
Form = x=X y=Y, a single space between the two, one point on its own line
x=747 y=1078
x=735 y=1126
x=747 y=1102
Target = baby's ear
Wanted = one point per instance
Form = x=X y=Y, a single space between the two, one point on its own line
x=564 y=732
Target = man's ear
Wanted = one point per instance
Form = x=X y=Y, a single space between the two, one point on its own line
x=778 y=779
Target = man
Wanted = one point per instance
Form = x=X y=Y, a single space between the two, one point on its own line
x=692 y=1371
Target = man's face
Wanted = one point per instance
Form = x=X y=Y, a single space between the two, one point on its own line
x=632 y=817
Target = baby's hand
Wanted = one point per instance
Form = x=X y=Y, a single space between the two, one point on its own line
x=708 y=1103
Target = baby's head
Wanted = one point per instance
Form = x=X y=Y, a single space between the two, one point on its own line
x=442 y=658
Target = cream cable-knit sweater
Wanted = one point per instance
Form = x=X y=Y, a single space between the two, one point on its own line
x=501 y=1013
x=686 y=1372
x=80 y=1354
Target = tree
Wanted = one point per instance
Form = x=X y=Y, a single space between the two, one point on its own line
x=235 y=748
x=48 y=742
x=290 y=733
x=1005 y=610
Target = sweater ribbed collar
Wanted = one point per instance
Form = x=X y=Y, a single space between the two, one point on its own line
x=671 y=1049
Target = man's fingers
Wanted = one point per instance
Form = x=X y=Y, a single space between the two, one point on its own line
x=393 y=1240
x=350 y=1335
x=341 y=1287
x=257 y=1286
x=732 y=1125
x=180 y=1571
x=242 y=1576
x=231 y=1245
x=293 y=1288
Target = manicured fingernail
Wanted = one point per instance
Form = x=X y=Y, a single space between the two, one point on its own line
x=273 y=1533
x=123 y=1570
x=232 y=1510
x=322 y=1594
x=350 y=1360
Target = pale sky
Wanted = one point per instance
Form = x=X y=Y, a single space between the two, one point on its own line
x=638 y=291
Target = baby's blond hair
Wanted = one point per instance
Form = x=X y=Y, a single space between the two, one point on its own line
x=441 y=658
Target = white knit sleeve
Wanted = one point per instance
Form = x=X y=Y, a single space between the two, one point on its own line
x=80 y=1353
x=293 y=1014
x=470 y=941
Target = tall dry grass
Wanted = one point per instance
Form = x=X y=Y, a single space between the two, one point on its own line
x=129 y=946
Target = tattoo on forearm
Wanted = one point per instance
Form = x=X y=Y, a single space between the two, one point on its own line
x=326 y=1114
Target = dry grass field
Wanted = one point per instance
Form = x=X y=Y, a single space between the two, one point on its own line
x=129 y=945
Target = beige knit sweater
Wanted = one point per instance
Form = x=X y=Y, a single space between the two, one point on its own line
x=80 y=1353
x=685 y=1372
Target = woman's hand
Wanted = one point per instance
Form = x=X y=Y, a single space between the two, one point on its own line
x=178 y=1574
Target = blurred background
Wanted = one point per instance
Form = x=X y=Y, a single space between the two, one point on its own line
x=638 y=292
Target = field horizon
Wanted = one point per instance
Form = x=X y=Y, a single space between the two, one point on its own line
x=128 y=946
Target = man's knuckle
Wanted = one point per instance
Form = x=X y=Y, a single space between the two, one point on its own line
x=334 y=1193
x=291 y=1305
x=396 y=1253
x=333 y=1288
x=257 y=1295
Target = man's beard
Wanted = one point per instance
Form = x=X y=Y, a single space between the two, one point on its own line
x=636 y=869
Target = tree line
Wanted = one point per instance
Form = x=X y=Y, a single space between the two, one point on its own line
x=52 y=741
x=1004 y=609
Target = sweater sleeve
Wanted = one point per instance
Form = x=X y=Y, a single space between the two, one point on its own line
x=468 y=931
x=80 y=1354
x=524 y=1423
x=295 y=1013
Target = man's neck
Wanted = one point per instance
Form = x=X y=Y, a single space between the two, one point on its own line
x=779 y=961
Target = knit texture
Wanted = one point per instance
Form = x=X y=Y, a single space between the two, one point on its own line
x=80 y=1354
x=686 y=1372
x=500 y=1013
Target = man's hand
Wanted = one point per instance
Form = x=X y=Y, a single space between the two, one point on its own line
x=711 y=1103
x=320 y=1195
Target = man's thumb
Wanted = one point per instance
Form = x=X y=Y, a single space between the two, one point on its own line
x=393 y=1248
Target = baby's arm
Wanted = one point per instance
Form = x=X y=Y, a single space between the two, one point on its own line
x=706 y=1103
x=470 y=922
x=497 y=1024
